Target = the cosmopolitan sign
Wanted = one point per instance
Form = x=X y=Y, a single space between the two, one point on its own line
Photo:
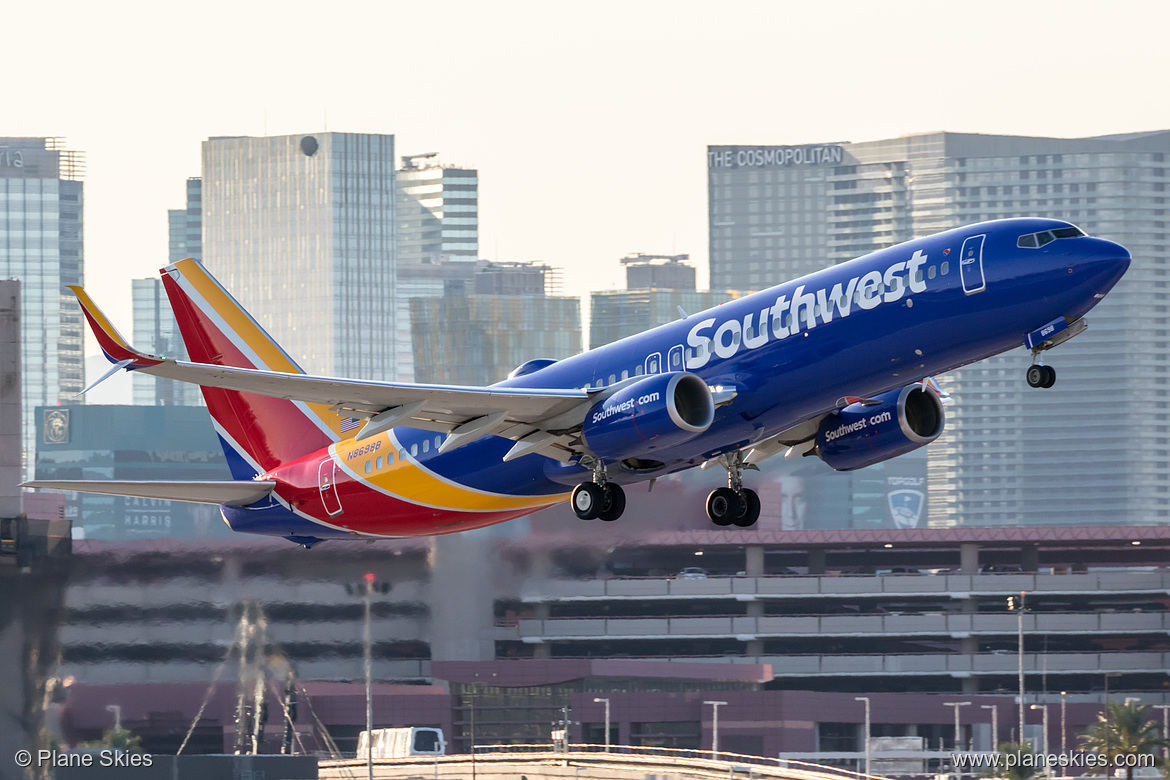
x=773 y=156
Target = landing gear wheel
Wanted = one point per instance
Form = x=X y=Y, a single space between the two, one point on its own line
x=723 y=506
x=587 y=500
x=1041 y=376
x=749 y=508
x=615 y=503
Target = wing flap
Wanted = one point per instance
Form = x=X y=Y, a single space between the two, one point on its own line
x=229 y=493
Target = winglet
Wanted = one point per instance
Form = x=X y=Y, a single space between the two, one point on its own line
x=116 y=348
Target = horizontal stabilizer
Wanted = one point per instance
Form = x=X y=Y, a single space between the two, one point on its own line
x=230 y=493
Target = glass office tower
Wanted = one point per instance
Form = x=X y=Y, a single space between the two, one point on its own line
x=41 y=201
x=1092 y=450
x=301 y=229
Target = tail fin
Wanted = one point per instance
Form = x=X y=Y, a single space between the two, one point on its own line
x=257 y=432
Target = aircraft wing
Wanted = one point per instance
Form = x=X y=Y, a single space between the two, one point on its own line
x=230 y=493
x=539 y=420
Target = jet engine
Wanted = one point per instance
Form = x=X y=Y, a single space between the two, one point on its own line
x=877 y=429
x=653 y=413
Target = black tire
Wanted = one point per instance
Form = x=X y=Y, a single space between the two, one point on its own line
x=615 y=503
x=587 y=500
x=723 y=506
x=1049 y=376
x=749 y=511
x=1035 y=376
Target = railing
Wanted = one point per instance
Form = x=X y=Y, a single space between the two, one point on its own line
x=628 y=757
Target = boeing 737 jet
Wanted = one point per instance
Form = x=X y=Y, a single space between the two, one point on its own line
x=835 y=365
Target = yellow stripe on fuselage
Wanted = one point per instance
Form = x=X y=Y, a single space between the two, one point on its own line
x=409 y=480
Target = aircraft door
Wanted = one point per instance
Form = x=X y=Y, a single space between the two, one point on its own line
x=674 y=358
x=653 y=363
x=327 y=483
x=971 y=265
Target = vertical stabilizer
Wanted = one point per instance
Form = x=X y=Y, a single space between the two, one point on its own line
x=257 y=432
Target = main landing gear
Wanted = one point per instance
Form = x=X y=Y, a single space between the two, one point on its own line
x=1040 y=375
x=599 y=498
x=734 y=504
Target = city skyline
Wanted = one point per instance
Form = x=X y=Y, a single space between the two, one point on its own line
x=544 y=109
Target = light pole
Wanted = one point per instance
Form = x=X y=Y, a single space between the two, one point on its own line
x=1063 y=721
x=866 y=700
x=958 y=728
x=1165 y=708
x=1018 y=607
x=994 y=724
x=367 y=657
x=1044 y=720
x=366 y=589
x=599 y=700
x=715 y=705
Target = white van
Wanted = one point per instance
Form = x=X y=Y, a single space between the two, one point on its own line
x=403 y=742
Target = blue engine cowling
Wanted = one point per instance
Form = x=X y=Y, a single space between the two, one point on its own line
x=653 y=413
x=861 y=435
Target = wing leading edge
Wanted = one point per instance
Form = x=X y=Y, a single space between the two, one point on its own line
x=538 y=420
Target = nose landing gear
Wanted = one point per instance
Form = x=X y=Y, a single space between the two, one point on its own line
x=734 y=504
x=599 y=498
x=1040 y=375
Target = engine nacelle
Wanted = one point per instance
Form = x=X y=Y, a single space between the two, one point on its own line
x=653 y=413
x=861 y=435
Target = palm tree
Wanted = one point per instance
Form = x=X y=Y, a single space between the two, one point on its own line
x=1124 y=730
x=1015 y=768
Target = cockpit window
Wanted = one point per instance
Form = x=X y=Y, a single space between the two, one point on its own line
x=1035 y=240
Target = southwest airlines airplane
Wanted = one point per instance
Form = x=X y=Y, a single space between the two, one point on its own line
x=836 y=365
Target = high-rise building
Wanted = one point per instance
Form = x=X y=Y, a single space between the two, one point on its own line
x=302 y=230
x=155 y=329
x=186 y=225
x=656 y=287
x=1093 y=449
x=41 y=202
x=477 y=338
x=156 y=332
x=438 y=211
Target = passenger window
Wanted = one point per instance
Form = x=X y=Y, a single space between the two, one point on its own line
x=637 y=371
x=918 y=275
x=414 y=450
x=1045 y=238
x=369 y=467
x=438 y=441
x=612 y=378
x=931 y=271
x=389 y=458
x=1027 y=242
x=378 y=463
x=426 y=445
x=625 y=374
x=675 y=359
x=402 y=454
x=945 y=268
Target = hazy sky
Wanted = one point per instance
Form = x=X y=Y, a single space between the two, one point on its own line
x=588 y=122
